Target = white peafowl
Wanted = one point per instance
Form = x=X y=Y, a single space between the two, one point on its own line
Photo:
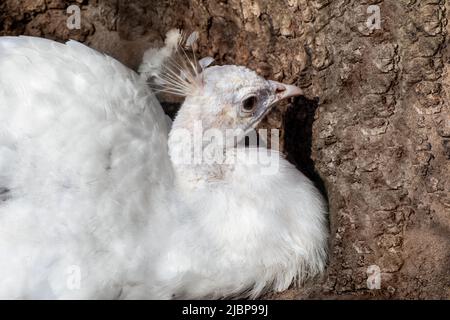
x=96 y=201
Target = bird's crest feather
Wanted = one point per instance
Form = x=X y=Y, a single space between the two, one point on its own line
x=180 y=72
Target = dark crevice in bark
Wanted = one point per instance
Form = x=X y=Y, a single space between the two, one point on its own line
x=297 y=123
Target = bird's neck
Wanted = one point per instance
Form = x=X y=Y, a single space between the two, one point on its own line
x=197 y=159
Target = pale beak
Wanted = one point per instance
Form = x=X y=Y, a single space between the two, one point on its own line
x=284 y=91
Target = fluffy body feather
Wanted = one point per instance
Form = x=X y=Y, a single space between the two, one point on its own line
x=86 y=181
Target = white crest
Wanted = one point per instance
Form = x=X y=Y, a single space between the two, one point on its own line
x=180 y=72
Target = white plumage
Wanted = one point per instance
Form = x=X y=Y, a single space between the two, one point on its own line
x=89 y=192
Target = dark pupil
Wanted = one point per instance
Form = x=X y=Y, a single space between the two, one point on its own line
x=249 y=104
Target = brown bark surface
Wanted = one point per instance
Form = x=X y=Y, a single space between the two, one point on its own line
x=373 y=132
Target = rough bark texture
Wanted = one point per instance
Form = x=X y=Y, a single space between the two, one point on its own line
x=374 y=130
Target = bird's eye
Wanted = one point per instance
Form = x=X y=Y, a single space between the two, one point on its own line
x=249 y=104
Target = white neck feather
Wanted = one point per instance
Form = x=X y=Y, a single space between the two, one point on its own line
x=187 y=150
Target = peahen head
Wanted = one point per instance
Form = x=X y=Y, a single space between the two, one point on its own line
x=227 y=97
x=234 y=97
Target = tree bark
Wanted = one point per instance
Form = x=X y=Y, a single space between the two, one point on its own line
x=373 y=130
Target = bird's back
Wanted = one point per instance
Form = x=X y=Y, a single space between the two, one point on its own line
x=83 y=169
